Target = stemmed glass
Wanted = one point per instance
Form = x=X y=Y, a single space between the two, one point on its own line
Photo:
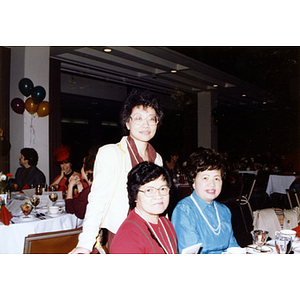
x=35 y=201
x=260 y=237
x=53 y=197
x=26 y=209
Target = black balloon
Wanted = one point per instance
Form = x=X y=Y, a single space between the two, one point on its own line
x=38 y=94
x=25 y=86
x=18 y=105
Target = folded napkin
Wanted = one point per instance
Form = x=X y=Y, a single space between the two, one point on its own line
x=5 y=216
x=25 y=187
x=297 y=229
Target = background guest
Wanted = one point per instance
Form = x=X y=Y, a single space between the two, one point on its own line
x=144 y=231
x=172 y=164
x=108 y=201
x=28 y=174
x=198 y=218
x=77 y=205
x=62 y=155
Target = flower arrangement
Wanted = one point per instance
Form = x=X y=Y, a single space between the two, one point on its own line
x=4 y=181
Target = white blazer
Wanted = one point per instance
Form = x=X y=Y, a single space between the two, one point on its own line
x=108 y=200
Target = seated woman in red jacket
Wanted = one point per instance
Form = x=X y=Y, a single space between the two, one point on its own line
x=77 y=205
x=62 y=155
x=145 y=231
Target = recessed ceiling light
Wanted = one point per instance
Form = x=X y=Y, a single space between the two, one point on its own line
x=215 y=85
x=264 y=102
x=244 y=95
x=173 y=71
x=107 y=50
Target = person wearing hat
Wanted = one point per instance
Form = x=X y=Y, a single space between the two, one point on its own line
x=62 y=155
x=28 y=174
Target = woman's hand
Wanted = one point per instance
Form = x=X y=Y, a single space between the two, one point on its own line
x=80 y=250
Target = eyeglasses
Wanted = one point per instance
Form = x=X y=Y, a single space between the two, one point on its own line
x=151 y=191
x=138 y=120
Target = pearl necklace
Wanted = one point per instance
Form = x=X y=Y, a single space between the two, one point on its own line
x=158 y=239
x=218 y=229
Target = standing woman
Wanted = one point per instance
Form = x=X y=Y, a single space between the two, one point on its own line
x=108 y=201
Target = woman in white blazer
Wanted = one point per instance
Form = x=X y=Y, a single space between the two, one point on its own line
x=108 y=201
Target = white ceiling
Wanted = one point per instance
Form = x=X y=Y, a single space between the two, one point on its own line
x=150 y=67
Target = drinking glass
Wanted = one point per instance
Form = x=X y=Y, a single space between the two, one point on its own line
x=283 y=243
x=26 y=209
x=35 y=201
x=260 y=237
x=53 y=197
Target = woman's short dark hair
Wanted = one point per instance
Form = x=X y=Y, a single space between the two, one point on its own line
x=204 y=159
x=31 y=155
x=141 y=174
x=140 y=98
x=88 y=166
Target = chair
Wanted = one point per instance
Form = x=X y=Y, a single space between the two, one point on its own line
x=57 y=242
x=232 y=193
x=259 y=191
x=245 y=200
x=293 y=198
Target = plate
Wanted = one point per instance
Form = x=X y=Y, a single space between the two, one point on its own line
x=28 y=218
x=18 y=197
x=252 y=249
x=42 y=208
x=53 y=216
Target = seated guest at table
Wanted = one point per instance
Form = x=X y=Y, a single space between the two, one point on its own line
x=62 y=155
x=77 y=205
x=145 y=231
x=198 y=218
x=28 y=174
x=172 y=162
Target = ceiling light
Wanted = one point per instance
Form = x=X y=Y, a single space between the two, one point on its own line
x=107 y=50
x=264 y=102
x=173 y=71
x=244 y=95
x=215 y=85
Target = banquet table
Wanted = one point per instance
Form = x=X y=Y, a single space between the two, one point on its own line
x=12 y=237
x=279 y=183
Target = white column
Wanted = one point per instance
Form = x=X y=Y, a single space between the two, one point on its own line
x=29 y=130
x=207 y=131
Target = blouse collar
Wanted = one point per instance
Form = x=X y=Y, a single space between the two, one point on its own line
x=203 y=205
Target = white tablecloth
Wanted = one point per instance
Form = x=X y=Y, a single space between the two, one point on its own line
x=279 y=183
x=253 y=172
x=12 y=237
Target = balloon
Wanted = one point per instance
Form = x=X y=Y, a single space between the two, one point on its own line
x=44 y=109
x=17 y=105
x=38 y=94
x=30 y=106
x=25 y=86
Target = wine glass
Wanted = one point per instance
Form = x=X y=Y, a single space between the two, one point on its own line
x=53 y=197
x=260 y=237
x=35 y=201
x=26 y=209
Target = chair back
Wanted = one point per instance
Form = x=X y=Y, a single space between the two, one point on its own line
x=57 y=242
x=292 y=198
x=262 y=179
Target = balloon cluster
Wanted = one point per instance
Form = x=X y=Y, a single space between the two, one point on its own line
x=33 y=104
